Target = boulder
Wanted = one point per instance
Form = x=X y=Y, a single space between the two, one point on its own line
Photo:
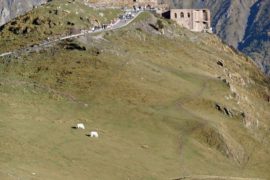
x=37 y=21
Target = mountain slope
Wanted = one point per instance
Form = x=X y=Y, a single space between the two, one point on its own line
x=52 y=21
x=10 y=9
x=242 y=24
x=165 y=106
x=256 y=42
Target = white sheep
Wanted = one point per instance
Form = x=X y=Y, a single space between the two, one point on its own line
x=93 y=134
x=80 y=126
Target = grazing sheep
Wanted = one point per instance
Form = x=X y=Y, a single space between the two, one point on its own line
x=93 y=134
x=80 y=126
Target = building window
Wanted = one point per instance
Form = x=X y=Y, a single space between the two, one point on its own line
x=175 y=15
x=182 y=15
x=188 y=15
x=205 y=25
x=205 y=15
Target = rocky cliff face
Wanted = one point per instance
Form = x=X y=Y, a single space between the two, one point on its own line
x=256 y=41
x=244 y=24
x=9 y=9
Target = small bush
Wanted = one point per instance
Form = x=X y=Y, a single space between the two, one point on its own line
x=160 y=24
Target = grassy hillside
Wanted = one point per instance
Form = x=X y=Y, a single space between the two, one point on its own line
x=57 y=18
x=165 y=106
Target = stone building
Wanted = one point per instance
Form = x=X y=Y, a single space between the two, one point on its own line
x=197 y=20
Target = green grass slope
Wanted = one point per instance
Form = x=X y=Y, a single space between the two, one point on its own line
x=157 y=101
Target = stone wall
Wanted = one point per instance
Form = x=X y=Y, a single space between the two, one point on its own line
x=196 y=20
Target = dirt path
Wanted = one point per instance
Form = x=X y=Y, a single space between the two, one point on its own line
x=120 y=24
x=207 y=177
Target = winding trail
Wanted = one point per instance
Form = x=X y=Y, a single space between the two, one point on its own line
x=207 y=177
x=120 y=23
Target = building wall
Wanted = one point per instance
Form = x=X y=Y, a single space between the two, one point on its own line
x=197 y=20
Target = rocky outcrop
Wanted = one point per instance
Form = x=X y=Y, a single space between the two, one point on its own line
x=228 y=111
x=223 y=142
x=10 y=9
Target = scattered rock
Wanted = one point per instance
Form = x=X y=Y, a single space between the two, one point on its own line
x=226 y=82
x=243 y=115
x=95 y=51
x=70 y=23
x=16 y=30
x=27 y=30
x=40 y=68
x=65 y=73
x=37 y=21
x=139 y=29
x=237 y=78
x=250 y=121
x=26 y=19
x=145 y=146
x=220 y=63
x=229 y=112
x=60 y=81
x=56 y=12
x=267 y=98
x=13 y=23
x=51 y=24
